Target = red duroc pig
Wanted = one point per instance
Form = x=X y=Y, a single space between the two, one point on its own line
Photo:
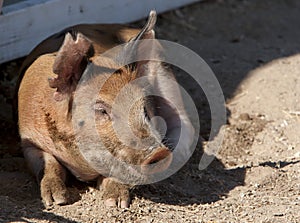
x=54 y=140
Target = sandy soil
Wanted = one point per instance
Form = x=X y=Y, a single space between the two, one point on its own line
x=253 y=48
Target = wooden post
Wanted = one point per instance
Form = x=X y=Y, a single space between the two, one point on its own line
x=23 y=25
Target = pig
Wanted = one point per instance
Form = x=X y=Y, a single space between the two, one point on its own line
x=49 y=131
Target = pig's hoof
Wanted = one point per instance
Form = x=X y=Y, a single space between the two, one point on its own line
x=112 y=202
x=115 y=194
x=53 y=190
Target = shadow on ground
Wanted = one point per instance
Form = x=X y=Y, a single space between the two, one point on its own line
x=19 y=194
x=193 y=186
x=233 y=37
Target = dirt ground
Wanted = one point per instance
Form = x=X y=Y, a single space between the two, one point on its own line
x=253 y=48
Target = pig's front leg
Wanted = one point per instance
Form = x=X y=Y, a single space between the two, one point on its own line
x=115 y=194
x=50 y=174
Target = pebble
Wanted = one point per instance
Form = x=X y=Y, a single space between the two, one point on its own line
x=245 y=117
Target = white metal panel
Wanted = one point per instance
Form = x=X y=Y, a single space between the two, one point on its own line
x=25 y=24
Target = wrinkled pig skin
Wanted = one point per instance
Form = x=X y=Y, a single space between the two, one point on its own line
x=49 y=78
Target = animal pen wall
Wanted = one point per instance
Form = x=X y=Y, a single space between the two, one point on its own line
x=24 y=23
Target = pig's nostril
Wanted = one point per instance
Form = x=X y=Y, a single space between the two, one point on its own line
x=158 y=161
x=153 y=162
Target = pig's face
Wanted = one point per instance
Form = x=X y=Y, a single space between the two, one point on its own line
x=121 y=113
x=114 y=122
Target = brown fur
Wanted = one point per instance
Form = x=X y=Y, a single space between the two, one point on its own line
x=46 y=104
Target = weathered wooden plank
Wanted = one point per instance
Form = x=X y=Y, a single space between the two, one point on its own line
x=15 y=5
x=25 y=24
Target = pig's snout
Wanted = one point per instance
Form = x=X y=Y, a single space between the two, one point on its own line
x=157 y=161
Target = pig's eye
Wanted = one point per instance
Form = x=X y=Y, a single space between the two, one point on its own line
x=101 y=109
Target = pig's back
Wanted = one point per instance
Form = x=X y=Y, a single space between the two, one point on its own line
x=33 y=98
x=39 y=115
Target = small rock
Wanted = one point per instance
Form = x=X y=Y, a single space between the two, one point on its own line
x=245 y=117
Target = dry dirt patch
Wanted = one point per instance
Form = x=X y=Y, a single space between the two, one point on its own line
x=253 y=47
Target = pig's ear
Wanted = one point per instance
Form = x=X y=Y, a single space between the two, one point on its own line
x=70 y=63
x=150 y=47
x=134 y=48
x=147 y=31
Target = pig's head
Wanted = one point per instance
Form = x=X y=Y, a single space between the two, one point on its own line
x=112 y=108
